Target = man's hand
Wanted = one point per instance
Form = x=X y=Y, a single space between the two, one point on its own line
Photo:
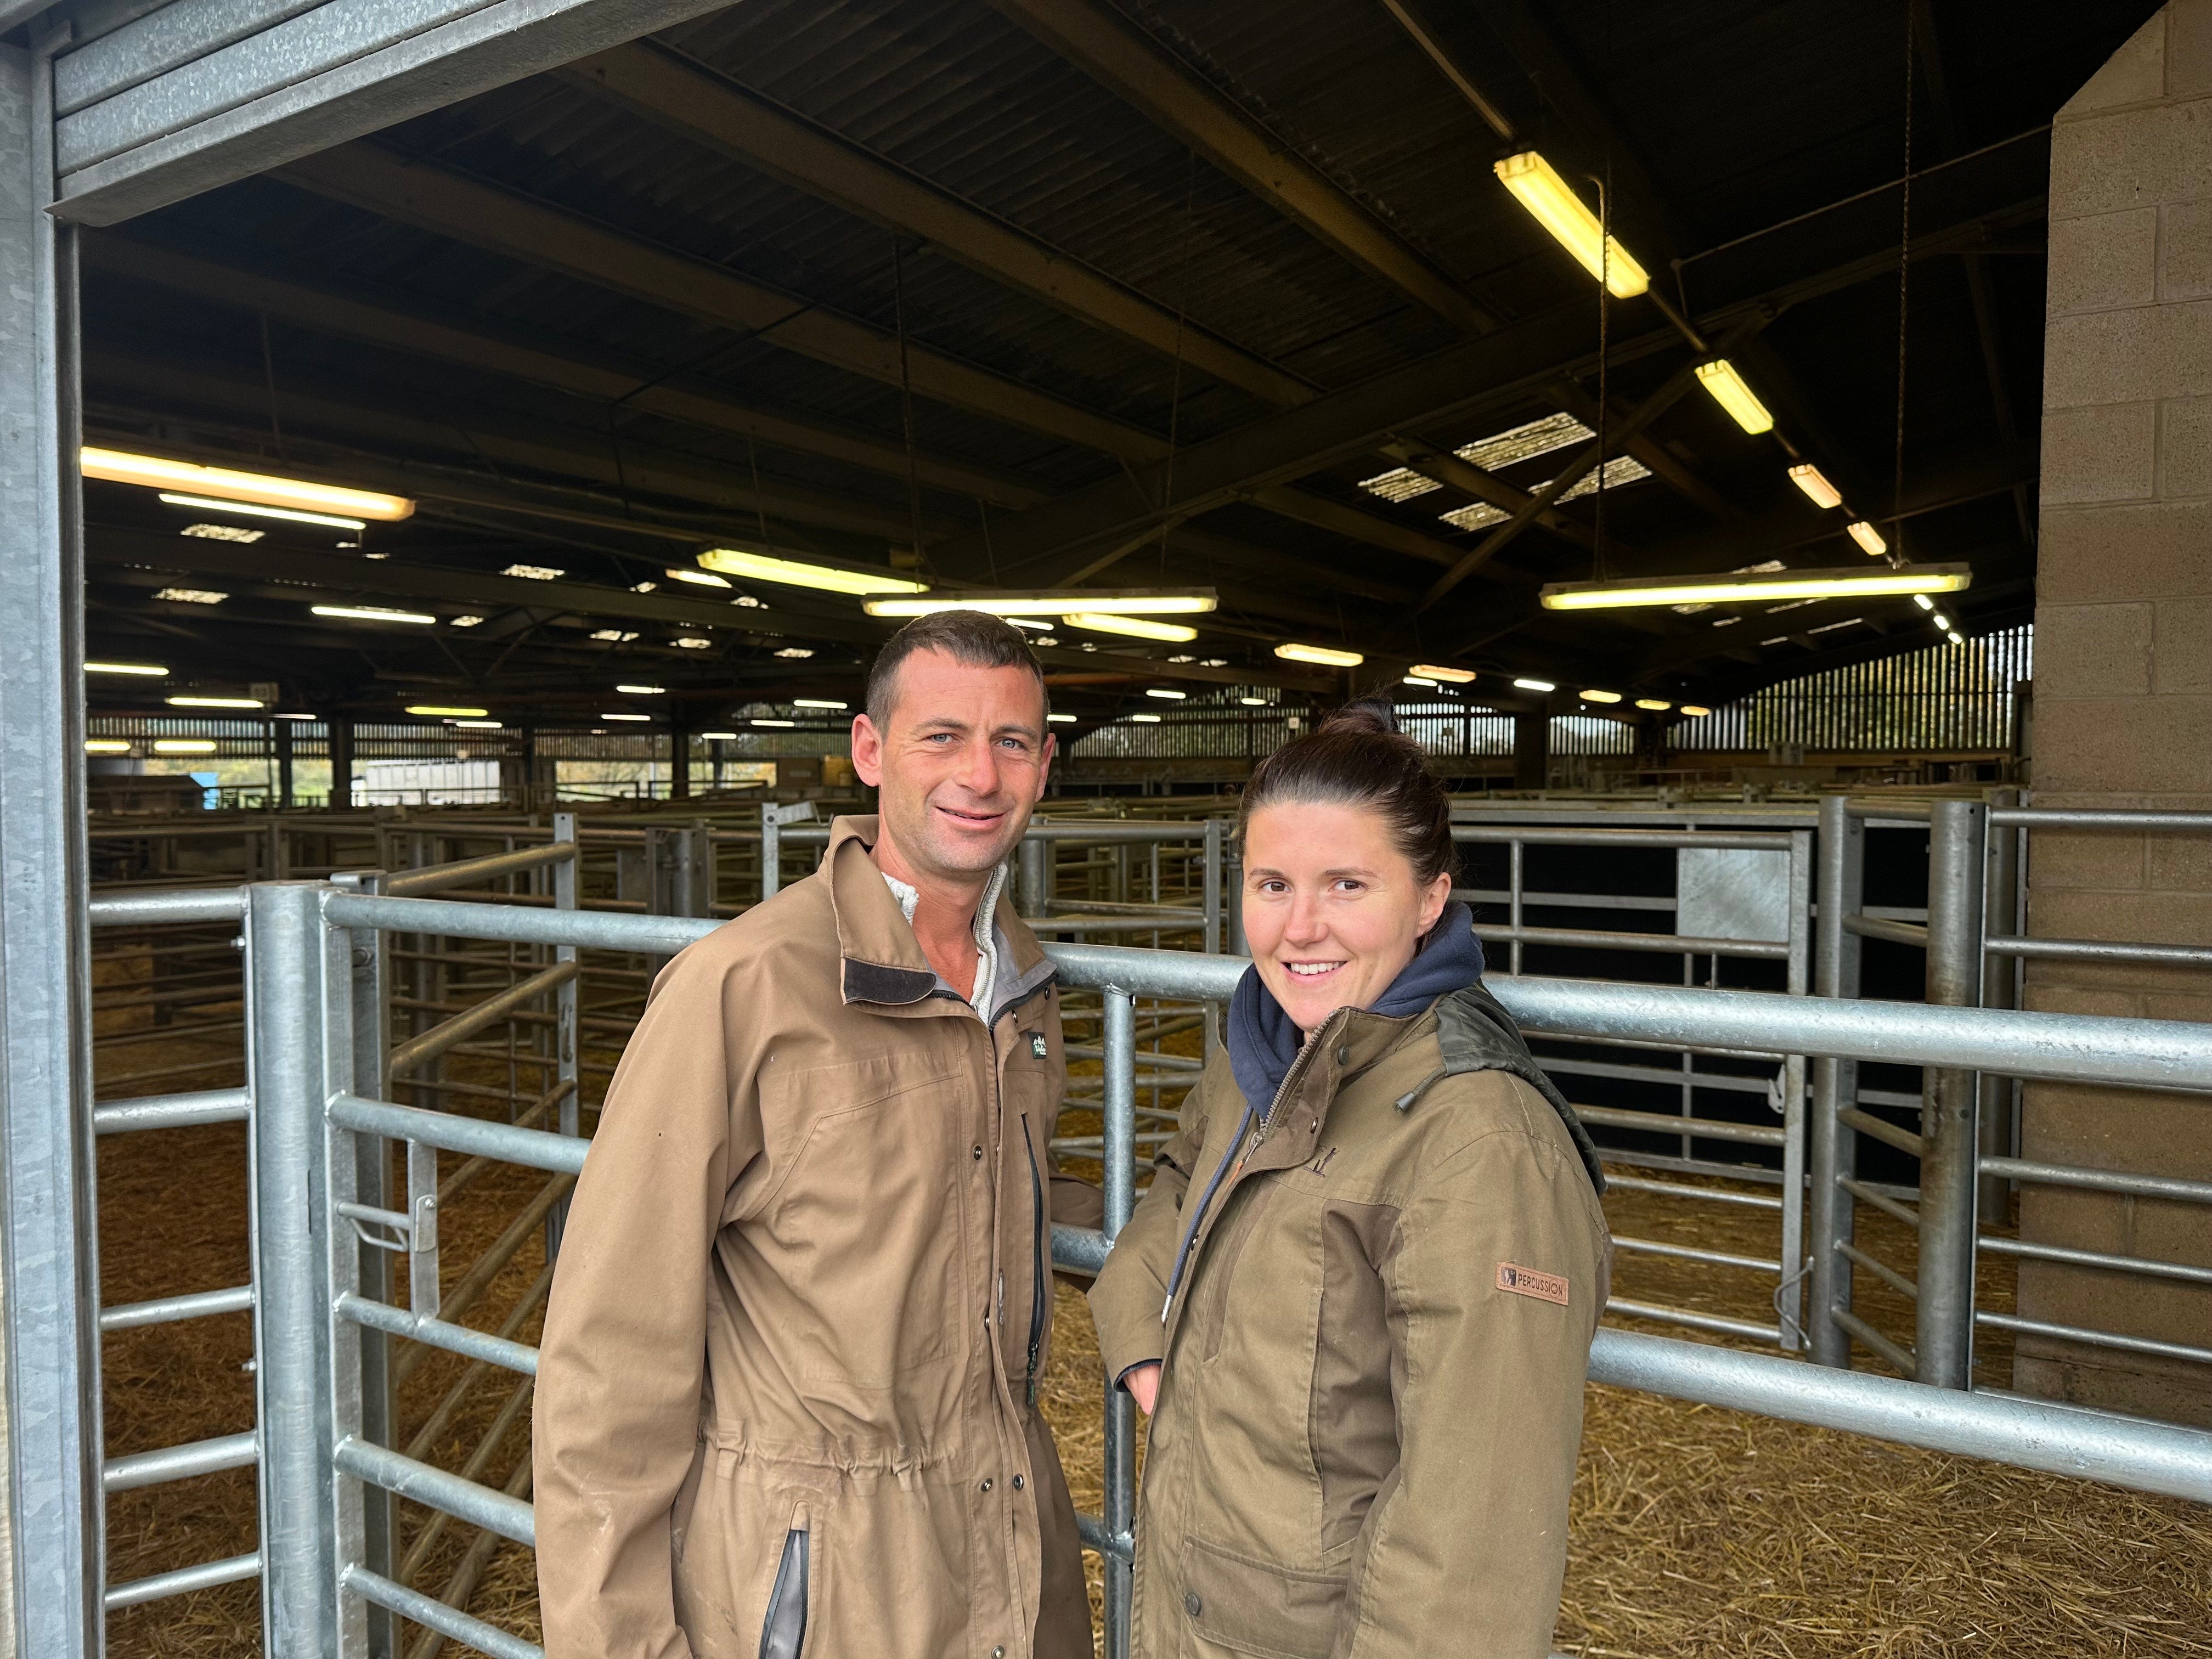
x=1143 y=1386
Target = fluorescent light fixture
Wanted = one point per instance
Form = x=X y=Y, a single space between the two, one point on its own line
x=762 y=719
x=478 y=725
x=1868 y=539
x=832 y=704
x=1043 y=638
x=1808 y=478
x=262 y=510
x=796 y=652
x=746 y=601
x=1541 y=190
x=761 y=567
x=1600 y=696
x=1448 y=676
x=1145 y=720
x=1135 y=628
x=1724 y=590
x=684 y=642
x=1090 y=602
x=370 y=613
x=644 y=690
x=436 y=708
x=535 y=573
x=1534 y=685
x=1694 y=711
x=1061 y=720
x=463 y=622
x=190 y=595
x=222 y=533
x=1035 y=624
x=625 y=717
x=696 y=578
x=1327 y=656
x=1939 y=619
x=184 y=745
x=1418 y=679
x=719 y=736
x=294 y=717
x=183 y=701
x=614 y=636
x=1653 y=704
x=1720 y=378
x=155 y=472
x=1164 y=694
x=1253 y=702
x=648 y=587
x=1923 y=601
x=106 y=746
x=1180 y=656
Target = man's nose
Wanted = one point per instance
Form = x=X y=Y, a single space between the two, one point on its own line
x=978 y=773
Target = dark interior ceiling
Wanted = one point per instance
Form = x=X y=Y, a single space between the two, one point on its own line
x=1067 y=292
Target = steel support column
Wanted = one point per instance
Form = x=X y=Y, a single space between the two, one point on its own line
x=1830 y=1144
x=53 y=1419
x=1944 y=1323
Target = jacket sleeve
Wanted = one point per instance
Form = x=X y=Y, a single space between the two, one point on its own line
x=1469 y=1533
x=1131 y=1288
x=623 y=1357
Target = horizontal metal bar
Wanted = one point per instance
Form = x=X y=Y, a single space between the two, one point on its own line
x=538 y=1149
x=2061 y=818
x=1534 y=835
x=2096 y=1339
x=1088 y=924
x=155 y=1468
x=434 y=1488
x=2099 y=1180
x=1680 y=1189
x=1897 y=933
x=1880 y=1129
x=1077 y=1249
x=447 y=1034
x=1671 y=1077
x=1614 y=1156
x=433 y=1614
x=1109 y=908
x=1900 y=1359
x=1659 y=1123
x=2148 y=1266
x=1918 y=810
x=183 y=1111
x=499 y=1350
x=1897 y=1281
x=1718 y=1324
x=1155 y=1062
x=1588 y=939
x=1868 y=1193
x=1654 y=903
x=2096 y=950
x=1685 y=1253
x=436 y=878
x=600 y=930
x=168 y=1310
x=184 y=1580
x=168 y=908
x=1092 y=1531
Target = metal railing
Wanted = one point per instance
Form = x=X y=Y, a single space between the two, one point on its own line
x=319 y=1126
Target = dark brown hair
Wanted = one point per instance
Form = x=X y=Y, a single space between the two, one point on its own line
x=1358 y=757
x=975 y=639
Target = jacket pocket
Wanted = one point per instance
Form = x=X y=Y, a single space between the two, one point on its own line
x=1256 y=1606
x=783 y=1629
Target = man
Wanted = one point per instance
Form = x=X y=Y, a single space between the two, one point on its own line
x=786 y=1395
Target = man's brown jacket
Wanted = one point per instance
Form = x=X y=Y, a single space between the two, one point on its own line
x=1367 y=1425
x=803 y=1301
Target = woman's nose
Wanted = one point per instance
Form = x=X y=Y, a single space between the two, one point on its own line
x=1305 y=925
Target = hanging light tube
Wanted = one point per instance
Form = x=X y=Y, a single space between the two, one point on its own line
x=229 y=487
x=1326 y=656
x=188 y=701
x=1431 y=670
x=793 y=573
x=258 y=510
x=1600 y=696
x=1727 y=389
x=1556 y=207
x=150 y=670
x=1094 y=602
x=1135 y=628
x=1810 y=479
x=1868 y=539
x=1534 y=685
x=370 y=613
x=451 y=711
x=1727 y=590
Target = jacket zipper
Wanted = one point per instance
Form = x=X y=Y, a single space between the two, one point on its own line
x=1037 y=1300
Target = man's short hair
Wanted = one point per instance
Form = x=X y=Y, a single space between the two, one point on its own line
x=975 y=639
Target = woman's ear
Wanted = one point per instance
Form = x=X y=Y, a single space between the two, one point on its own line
x=1433 y=901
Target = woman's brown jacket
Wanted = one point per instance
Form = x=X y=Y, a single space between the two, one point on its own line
x=1368 y=1421
x=788 y=1376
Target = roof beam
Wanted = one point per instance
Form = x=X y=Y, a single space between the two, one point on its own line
x=448 y=203
x=1138 y=70
x=654 y=83
x=1354 y=525
x=600 y=376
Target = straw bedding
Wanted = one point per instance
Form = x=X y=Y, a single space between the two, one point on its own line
x=1696 y=1531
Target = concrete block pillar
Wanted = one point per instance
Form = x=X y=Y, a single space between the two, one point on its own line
x=1532 y=751
x=2123 y=691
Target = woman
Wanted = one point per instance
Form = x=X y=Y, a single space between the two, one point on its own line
x=1360 y=1292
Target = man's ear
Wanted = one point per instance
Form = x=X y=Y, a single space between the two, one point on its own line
x=1045 y=757
x=867 y=751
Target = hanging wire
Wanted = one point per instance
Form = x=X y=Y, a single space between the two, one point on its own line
x=760 y=502
x=906 y=399
x=1903 y=285
x=1175 y=394
x=1599 y=571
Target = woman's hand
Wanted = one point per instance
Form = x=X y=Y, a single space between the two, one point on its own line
x=1143 y=1386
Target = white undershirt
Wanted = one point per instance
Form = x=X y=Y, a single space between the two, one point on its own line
x=986 y=949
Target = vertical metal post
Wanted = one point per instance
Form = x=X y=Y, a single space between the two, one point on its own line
x=53 y=1550
x=568 y=1008
x=1033 y=862
x=1513 y=899
x=2000 y=989
x=1789 y=1296
x=1232 y=898
x=1830 y=1145
x=280 y=736
x=1944 y=1323
x=370 y=1029
x=1213 y=887
x=771 y=851
x=1119 y=1182
x=289 y=1062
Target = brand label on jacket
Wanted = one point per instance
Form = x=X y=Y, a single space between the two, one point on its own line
x=1037 y=1045
x=1527 y=1281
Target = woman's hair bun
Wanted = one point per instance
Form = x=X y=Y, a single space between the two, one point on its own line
x=1371 y=716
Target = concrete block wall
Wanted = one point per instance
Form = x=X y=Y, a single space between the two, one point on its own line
x=2123 y=689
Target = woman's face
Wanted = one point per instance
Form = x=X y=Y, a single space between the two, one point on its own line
x=1332 y=908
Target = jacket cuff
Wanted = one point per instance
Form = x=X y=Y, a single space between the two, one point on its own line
x=1127 y=1337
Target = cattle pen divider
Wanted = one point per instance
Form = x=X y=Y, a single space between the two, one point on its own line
x=317 y=1124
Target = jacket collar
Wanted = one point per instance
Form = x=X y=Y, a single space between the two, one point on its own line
x=882 y=961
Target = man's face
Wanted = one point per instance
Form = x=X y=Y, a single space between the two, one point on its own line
x=960 y=766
